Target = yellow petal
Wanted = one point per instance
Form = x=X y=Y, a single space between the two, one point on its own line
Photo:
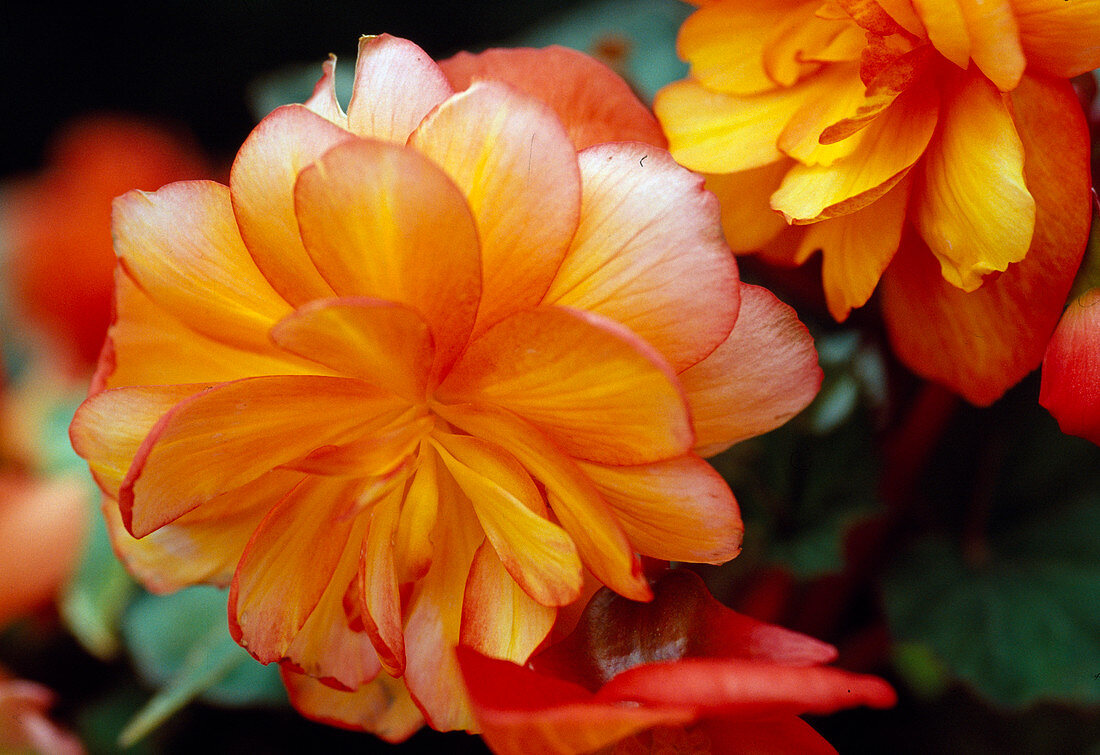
x=748 y=220
x=801 y=137
x=995 y=41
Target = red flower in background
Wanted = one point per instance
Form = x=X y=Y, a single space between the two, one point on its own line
x=1071 y=369
x=682 y=672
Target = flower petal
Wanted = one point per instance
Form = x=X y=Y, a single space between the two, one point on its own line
x=511 y=157
x=382 y=706
x=767 y=736
x=381 y=221
x=972 y=204
x=412 y=544
x=229 y=435
x=1059 y=38
x=538 y=554
x=946 y=26
x=748 y=220
x=396 y=85
x=323 y=101
x=381 y=600
x=594 y=388
x=593 y=102
x=995 y=41
x=182 y=247
x=650 y=244
x=262 y=186
x=675 y=510
x=844 y=98
x=1071 y=370
x=764 y=374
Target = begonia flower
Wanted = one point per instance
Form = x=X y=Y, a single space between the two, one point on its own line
x=937 y=146
x=1070 y=388
x=423 y=366
x=683 y=673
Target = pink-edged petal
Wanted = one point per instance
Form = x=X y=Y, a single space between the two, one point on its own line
x=580 y=509
x=323 y=101
x=1071 y=369
x=596 y=390
x=511 y=157
x=287 y=566
x=676 y=510
x=748 y=220
x=1058 y=37
x=396 y=85
x=649 y=245
x=972 y=204
x=381 y=706
x=499 y=618
x=593 y=102
x=537 y=553
x=229 y=435
x=382 y=343
x=262 y=186
x=764 y=374
x=381 y=221
x=381 y=600
x=182 y=247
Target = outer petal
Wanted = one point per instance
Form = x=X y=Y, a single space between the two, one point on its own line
x=1060 y=38
x=262 y=185
x=382 y=706
x=396 y=85
x=511 y=157
x=593 y=102
x=229 y=435
x=381 y=221
x=182 y=247
x=323 y=101
x=1071 y=369
x=764 y=374
x=972 y=205
x=649 y=253
x=981 y=343
x=676 y=510
x=748 y=220
x=594 y=388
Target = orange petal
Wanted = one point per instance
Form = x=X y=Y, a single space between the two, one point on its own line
x=596 y=390
x=382 y=706
x=385 y=344
x=1058 y=37
x=794 y=41
x=412 y=544
x=538 y=554
x=499 y=618
x=649 y=244
x=511 y=157
x=905 y=14
x=381 y=221
x=888 y=148
x=946 y=26
x=287 y=566
x=588 y=519
x=764 y=374
x=182 y=247
x=852 y=259
x=801 y=138
x=972 y=205
x=676 y=510
x=593 y=102
x=748 y=220
x=382 y=453
x=981 y=343
x=378 y=584
x=995 y=40
x=229 y=435
x=396 y=85
x=262 y=185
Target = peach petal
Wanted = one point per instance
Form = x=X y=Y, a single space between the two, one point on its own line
x=634 y=259
x=396 y=85
x=323 y=101
x=382 y=706
x=381 y=221
x=381 y=601
x=1058 y=37
x=182 y=247
x=594 y=388
x=764 y=374
x=593 y=102
x=675 y=510
x=262 y=187
x=511 y=157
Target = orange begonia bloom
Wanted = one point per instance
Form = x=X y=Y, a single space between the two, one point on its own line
x=422 y=365
x=935 y=144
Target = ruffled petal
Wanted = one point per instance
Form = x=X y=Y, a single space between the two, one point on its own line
x=537 y=553
x=1071 y=369
x=511 y=157
x=649 y=245
x=802 y=139
x=396 y=85
x=596 y=390
x=748 y=220
x=261 y=183
x=676 y=510
x=412 y=544
x=1058 y=37
x=764 y=374
x=182 y=247
x=382 y=706
x=593 y=102
x=971 y=202
x=946 y=27
x=381 y=599
x=229 y=435
x=381 y=221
